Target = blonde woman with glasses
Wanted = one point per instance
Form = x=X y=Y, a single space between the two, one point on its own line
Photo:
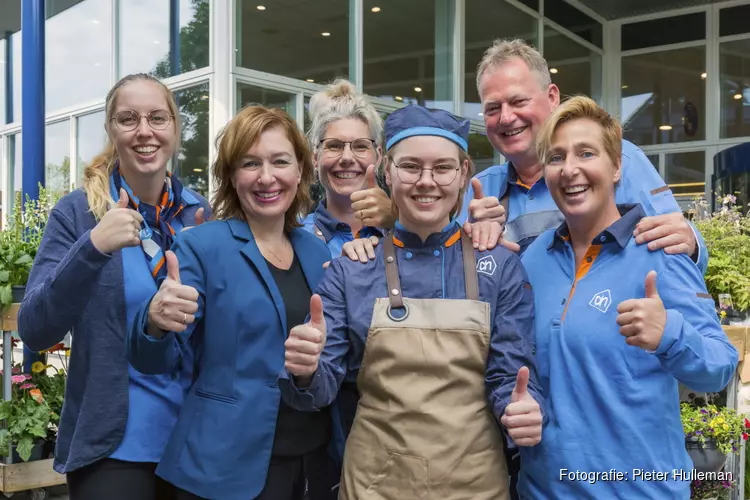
x=102 y=254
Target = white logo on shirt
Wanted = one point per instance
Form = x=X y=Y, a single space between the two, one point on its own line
x=486 y=265
x=601 y=301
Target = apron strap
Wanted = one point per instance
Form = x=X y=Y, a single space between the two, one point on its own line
x=470 y=267
x=391 y=273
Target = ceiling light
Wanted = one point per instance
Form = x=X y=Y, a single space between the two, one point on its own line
x=325 y=33
x=261 y=7
x=624 y=86
x=197 y=170
x=95 y=21
x=156 y=42
x=480 y=113
x=204 y=97
x=738 y=96
x=553 y=71
x=665 y=127
x=704 y=75
x=417 y=89
x=310 y=80
x=375 y=9
x=399 y=98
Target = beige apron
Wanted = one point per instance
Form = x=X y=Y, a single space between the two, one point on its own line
x=423 y=428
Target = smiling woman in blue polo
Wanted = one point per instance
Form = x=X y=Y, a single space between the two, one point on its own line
x=618 y=327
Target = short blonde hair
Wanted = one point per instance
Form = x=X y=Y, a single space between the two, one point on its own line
x=505 y=50
x=575 y=108
x=239 y=135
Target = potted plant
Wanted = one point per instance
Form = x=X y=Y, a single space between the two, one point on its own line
x=711 y=433
x=19 y=242
x=727 y=236
x=27 y=418
x=52 y=387
x=710 y=489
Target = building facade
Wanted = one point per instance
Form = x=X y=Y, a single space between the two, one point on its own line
x=678 y=75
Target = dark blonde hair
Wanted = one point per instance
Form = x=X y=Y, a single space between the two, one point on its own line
x=463 y=156
x=573 y=109
x=241 y=134
x=504 y=50
x=96 y=174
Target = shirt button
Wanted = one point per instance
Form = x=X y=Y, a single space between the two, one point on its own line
x=409 y=255
x=603 y=238
x=563 y=302
x=533 y=351
x=531 y=196
x=319 y=233
x=436 y=253
x=589 y=259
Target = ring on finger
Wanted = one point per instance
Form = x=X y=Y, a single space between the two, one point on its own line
x=184 y=318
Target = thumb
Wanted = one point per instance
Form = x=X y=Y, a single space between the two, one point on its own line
x=522 y=384
x=477 y=186
x=316 y=313
x=651 y=292
x=173 y=266
x=124 y=200
x=199 y=216
x=370 y=181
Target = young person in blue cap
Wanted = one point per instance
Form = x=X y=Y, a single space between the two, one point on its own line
x=438 y=337
x=618 y=327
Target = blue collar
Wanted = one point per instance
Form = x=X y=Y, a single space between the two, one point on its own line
x=411 y=240
x=330 y=226
x=513 y=176
x=619 y=232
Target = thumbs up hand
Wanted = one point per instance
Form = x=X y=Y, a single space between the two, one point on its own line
x=642 y=321
x=119 y=228
x=523 y=417
x=174 y=305
x=371 y=204
x=305 y=343
x=199 y=219
x=485 y=208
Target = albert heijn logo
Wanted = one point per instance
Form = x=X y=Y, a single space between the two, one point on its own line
x=486 y=265
x=601 y=301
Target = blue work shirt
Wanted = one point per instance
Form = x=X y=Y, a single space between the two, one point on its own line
x=154 y=400
x=640 y=183
x=612 y=406
x=336 y=233
x=432 y=269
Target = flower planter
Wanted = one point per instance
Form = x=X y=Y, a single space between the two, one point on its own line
x=37 y=452
x=708 y=459
x=17 y=292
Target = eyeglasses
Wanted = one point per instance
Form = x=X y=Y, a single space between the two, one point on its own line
x=334 y=148
x=127 y=121
x=410 y=173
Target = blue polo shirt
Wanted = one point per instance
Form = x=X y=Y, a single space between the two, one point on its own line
x=154 y=400
x=333 y=231
x=615 y=408
x=532 y=210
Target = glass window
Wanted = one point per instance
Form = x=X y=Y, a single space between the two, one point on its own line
x=733 y=20
x=57 y=157
x=303 y=40
x=415 y=65
x=149 y=45
x=574 y=20
x=481 y=151
x=664 y=96
x=654 y=159
x=490 y=20
x=78 y=51
x=191 y=163
x=90 y=140
x=248 y=95
x=573 y=67
x=686 y=175
x=735 y=88
x=533 y=4
x=3 y=68
x=663 y=31
x=16 y=167
x=15 y=41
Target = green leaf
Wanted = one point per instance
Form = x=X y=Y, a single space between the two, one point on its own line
x=4 y=276
x=25 y=445
x=24 y=259
x=6 y=297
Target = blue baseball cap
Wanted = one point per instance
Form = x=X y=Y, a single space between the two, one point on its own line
x=415 y=120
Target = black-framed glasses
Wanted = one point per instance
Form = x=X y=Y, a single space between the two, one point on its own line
x=410 y=172
x=334 y=148
x=127 y=121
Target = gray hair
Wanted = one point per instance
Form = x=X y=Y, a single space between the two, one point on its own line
x=340 y=100
x=504 y=50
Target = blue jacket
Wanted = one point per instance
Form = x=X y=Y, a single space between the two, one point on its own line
x=640 y=183
x=611 y=405
x=74 y=287
x=335 y=232
x=433 y=269
x=221 y=445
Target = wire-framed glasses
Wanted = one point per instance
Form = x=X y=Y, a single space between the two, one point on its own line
x=333 y=148
x=409 y=172
x=127 y=121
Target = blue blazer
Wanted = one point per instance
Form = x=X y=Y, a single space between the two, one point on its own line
x=221 y=445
